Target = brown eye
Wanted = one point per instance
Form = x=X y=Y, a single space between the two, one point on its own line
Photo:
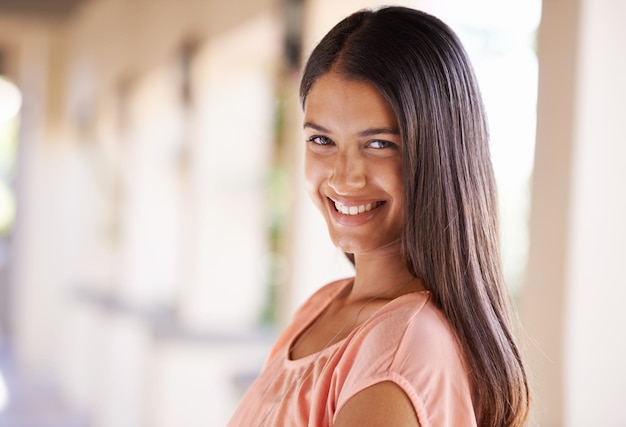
x=320 y=140
x=378 y=143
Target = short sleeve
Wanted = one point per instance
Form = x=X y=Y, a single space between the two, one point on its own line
x=412 y=346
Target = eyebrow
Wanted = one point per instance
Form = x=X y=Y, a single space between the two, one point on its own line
x=366 y=132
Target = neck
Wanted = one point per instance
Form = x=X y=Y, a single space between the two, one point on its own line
x=382 y=272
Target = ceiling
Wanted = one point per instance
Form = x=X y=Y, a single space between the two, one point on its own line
x=46 y=9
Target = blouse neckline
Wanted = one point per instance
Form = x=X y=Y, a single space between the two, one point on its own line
x=311 y=358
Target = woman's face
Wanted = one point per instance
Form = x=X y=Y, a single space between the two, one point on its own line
x=353 y=163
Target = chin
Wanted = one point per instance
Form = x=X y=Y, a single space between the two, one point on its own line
x=348 y=245
x=365 y=244
x=355 y=245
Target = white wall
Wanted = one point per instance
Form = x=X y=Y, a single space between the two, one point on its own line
x=595 y=385
x=575 y=285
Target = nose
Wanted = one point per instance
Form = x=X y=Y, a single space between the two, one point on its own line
x=348 y=174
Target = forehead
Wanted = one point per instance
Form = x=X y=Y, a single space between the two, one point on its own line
x=336 y=102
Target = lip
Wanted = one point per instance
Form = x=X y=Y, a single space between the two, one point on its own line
x=357 y=219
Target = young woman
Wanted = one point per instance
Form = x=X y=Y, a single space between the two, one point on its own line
x=397 y=161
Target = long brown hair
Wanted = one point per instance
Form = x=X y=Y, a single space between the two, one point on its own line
x=450 y=239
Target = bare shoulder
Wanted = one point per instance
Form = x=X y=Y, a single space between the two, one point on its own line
x=382 y=404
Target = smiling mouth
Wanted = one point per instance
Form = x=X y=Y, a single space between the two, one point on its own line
x=355 y=210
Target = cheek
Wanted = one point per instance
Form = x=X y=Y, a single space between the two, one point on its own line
x=313 y=176
x=391 y=178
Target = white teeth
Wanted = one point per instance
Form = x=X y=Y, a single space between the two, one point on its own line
x=355 y=210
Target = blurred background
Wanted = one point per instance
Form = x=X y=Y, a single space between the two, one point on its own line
x=155 y=235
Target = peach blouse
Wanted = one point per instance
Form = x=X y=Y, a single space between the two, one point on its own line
x=407 y=341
